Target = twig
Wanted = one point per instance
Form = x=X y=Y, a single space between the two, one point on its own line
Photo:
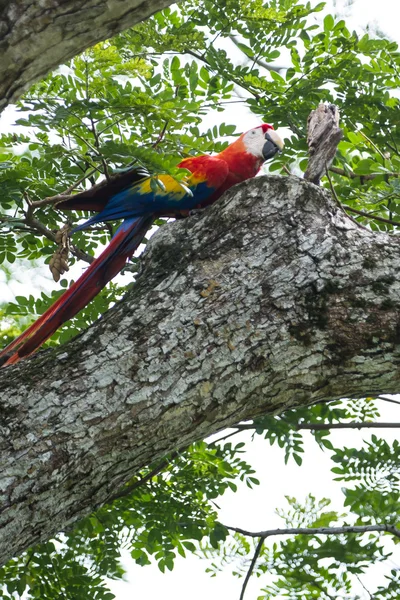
x=352 y=425
x=160 y=135
x=370 y=216
x=225 y=437
x=62 y=196
x=386 y=399
x=338 y=201
x=40 y=228
x=252 y=565
x=221 y=72
x=366 y=177
x=317 y=530
x=127 y=490
x=369 y=141
x=393 y=148
x=256 y=59
x=363 y=586
x=97 y=144
x=30 y=555
x=262 y=535
x=333 y=189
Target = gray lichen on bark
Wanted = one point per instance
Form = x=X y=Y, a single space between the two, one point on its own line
x=35 y=37
x=323 y=137
x=270 y=299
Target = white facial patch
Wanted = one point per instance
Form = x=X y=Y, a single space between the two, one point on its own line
x=254 y=141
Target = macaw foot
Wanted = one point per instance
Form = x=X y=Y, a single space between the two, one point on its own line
x=4 y=359
x=196 y=211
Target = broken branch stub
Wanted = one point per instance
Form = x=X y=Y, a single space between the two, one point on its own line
x=324 y=135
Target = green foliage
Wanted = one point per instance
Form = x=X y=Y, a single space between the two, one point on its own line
x=304 y=566
x=285 y=429
x=375 y=469
x=141 y=98
x=163 y=512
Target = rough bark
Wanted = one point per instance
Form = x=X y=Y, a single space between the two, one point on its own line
x=323 y=137
x=271 y=298
x=35 y=37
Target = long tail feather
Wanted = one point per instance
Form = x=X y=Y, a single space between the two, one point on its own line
x=89 y=284
x=96 y=198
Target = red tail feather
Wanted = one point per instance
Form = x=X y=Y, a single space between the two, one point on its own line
x=100 y=272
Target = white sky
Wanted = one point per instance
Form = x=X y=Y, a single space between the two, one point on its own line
x=255 y=509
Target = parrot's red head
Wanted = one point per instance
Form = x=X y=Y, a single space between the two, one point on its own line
x=246 y=155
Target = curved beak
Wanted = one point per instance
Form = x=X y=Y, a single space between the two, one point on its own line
x=272 y=145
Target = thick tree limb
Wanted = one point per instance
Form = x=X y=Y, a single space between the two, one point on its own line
x=272 y=298
x=36 y=37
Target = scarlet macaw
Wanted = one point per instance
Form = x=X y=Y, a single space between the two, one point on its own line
x=139 y=205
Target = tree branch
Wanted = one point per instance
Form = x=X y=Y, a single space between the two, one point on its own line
x=323 y=138
x=60 y=30
x=306 y=310
x=353 y=425
x=263 y=535
x=392 y=529
x=366 y=177
x=258 y=61
x=388 y=400
x=362 y=213
x=66 y=194
x=257 y=553
x=41 y=229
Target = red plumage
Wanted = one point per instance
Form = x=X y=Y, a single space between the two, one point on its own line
x=129 y=196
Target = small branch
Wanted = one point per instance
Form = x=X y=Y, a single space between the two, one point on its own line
x=386 y=399
x=317 y=530
x=366 y=177
x=161 y=135
x=363 y=586
x=375 y=147
x=252 y=565
x=324 y=135
x=353 y=425
x=370 y=216
x=256 y=60
x=65 y=195
x=40 y=228
x=97 y=144
x=262 y=535
x=127 y=490
x=225 y=437
x=338 y=201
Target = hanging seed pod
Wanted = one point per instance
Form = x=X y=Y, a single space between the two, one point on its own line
x=59 y=261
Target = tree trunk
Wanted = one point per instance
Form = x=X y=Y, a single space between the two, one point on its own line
x=271 y=298
x=35 y=37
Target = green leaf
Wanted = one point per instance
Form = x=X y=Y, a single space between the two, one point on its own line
x=328 y=23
